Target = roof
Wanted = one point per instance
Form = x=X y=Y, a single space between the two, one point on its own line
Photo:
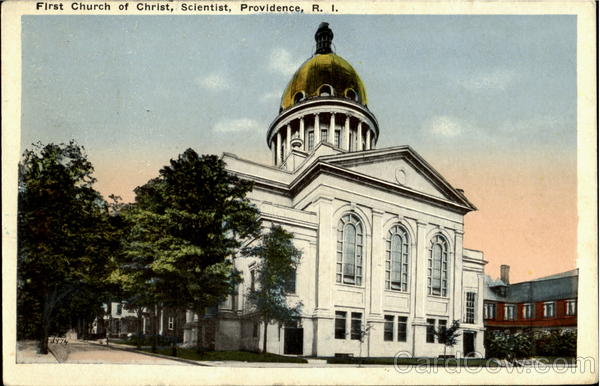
x=324 y=69
x=554 y=287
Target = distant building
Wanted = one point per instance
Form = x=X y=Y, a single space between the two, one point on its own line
x=546 y=303
x=123 y=322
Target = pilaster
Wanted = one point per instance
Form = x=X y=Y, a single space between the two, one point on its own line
x=325 y=256
x=457 y=276
x=377 y=263
x=420 y=283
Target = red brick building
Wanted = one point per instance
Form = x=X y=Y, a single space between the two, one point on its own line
x=546 y=303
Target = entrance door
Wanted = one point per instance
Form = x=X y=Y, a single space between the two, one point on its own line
x=292 y=343
x=469 y=343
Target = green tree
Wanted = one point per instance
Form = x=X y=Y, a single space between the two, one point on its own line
x=448 y=336
x=276 y=271
x=190 y=223
x=66 y=239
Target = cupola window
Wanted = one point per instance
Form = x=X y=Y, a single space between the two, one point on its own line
x=299 y=96
x=326 y=90
x=351 y=94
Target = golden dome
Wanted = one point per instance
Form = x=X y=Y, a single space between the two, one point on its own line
x=324 y=70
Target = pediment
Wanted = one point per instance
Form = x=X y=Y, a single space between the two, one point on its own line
x=402 y=167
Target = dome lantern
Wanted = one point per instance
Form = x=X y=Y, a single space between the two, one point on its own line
x=323 y=37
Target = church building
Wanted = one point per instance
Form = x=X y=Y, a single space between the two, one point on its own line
x=380 y=230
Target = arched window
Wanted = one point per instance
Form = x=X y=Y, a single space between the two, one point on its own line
x=325 y=90
x=299 y=96
x=437 y=269
x=351 y=94
x=349 y=267
x=396 y=259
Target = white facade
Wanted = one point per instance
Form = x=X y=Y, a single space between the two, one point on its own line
x=341 y=201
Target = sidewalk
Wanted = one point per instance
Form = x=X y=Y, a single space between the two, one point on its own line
x=27 y=352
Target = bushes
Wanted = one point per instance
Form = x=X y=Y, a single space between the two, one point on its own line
x=557 y=343
x=505 y=345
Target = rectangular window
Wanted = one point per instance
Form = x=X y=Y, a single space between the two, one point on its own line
x=570 y=308
x=356 y=326
x=324 y=135
x=442 y=326
x=470 y=308
x=430 y=331
x=509 y=312
x=388 y=328
x=255 y=330
x=528 y=311
x=340 y=325
x=119 y=309
x=336 y=138
x=311 y=140
x=490 y=310
x=171 y=323
x=549 y=310
x=290 y=287
x=352 y=145
x=252 y=279
x=402 y=328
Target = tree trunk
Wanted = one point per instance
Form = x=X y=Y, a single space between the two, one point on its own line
x=45 y=325
x=199 y=348
x=265 y=338
x=139 y=328
x=154 y=330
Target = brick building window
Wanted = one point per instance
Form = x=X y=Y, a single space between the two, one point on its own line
x=396 y=259
x=470 y=307
x=349 y=257
x=340 y=325
x=571 y=307
x=528 y=310
x=509 y=312
x=388 y=328
x=549 y=310
x=171 y=323
x=489 y=310
x=437 y=270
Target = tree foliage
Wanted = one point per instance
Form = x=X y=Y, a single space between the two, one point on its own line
x=276 y=271
x=186 y=226
x=66 y=240
x=448 y=336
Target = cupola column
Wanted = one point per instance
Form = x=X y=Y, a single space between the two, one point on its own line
x=302 y=132
x=368 y=138
x=317 y=129
x=359 y=135
x=288 y=138
x=278 y=149
x=274 y=148
x=346 y=136
x=331 y=132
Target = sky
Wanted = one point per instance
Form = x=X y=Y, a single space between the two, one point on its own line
x=489 y=101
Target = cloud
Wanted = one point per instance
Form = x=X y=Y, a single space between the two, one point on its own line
x=235 y=125
x=282 y=61
x=271 y=96
x=537 y=124
x=498 y=79
x=214 y=82
x=445 y=126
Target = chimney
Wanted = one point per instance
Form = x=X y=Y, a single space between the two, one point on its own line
x=504 y=270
